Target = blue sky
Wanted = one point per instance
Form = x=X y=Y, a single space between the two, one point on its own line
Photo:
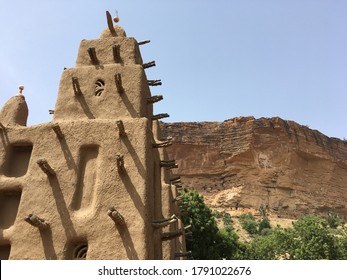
x=217 y=59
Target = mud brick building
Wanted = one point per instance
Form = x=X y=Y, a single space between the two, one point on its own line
x=95 y=182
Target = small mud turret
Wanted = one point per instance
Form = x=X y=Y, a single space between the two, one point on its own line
x=15 y=111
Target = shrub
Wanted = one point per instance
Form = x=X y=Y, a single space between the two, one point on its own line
x=334 y=220
x=249 y=223
x=227 y=221
x=264 y=224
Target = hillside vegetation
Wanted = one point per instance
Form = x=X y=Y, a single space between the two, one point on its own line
x=310 y=237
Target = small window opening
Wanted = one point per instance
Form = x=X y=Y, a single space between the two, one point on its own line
x=80 y=251
x=99 y=87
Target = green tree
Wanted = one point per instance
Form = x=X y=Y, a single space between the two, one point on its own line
x=261 y=248
x=206 y=241
x=227 y=245
x=267 y=247
x=204 y=228
x=249 y=223
x=312 y=240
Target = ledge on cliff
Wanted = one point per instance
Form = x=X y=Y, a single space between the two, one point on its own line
x=249 y=162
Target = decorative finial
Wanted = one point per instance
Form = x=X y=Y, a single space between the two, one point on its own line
x=116 y=18
x=20 y=93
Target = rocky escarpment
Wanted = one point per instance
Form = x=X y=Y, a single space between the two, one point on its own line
x=246 y=162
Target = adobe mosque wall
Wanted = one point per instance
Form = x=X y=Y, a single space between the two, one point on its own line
x=95 y=182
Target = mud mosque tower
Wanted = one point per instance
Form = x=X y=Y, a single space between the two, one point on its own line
x=95 y=182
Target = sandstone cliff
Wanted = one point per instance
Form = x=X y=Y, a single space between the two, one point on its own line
x=246 y=162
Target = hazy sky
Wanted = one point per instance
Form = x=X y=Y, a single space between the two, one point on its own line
x=217 y=59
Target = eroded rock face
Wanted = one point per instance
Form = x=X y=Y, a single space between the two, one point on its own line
x=247 y=162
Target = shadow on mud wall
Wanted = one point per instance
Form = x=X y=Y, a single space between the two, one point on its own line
x=47 y=243
x=62 y=208
x=127 y=242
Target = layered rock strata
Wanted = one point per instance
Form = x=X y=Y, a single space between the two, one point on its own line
x=246 y=162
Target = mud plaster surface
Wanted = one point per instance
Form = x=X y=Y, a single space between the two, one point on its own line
x=82 y=151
